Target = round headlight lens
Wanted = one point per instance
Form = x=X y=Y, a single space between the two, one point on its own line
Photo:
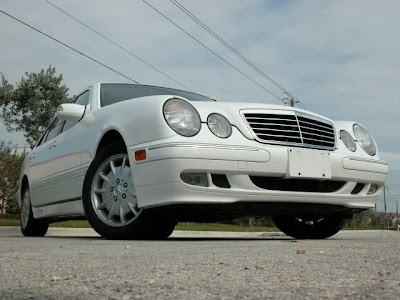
x=182 y=117
x=364 y=139
x=348 y=140
x=219 y=125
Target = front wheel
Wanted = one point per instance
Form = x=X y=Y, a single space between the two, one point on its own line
x=29 y=225
x=110 y=200
x=301 y=227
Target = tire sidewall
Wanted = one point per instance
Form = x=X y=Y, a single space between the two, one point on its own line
x=328 y=227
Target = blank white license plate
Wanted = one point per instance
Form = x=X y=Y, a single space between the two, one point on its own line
x=305 y=163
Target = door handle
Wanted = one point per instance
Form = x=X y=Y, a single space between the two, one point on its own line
x=32 y=157
x=53 y=146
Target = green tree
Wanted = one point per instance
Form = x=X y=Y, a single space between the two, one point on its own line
x=369 y=219
x=10 y=167
x=30 y=105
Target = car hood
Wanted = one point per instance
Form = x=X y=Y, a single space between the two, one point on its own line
x=233 y=110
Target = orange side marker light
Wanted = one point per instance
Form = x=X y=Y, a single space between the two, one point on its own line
x=140 y=155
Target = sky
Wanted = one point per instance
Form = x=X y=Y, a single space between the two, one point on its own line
x=340 y=58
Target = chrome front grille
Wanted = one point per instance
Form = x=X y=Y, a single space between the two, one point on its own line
x=293 y=128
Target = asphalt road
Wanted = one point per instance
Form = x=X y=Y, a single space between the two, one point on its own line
x=78 y=264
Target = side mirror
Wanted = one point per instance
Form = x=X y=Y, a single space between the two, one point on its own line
x=70 y=111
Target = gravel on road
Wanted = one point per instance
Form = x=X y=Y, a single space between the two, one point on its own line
x=78 y=264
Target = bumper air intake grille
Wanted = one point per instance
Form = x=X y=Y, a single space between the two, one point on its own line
x=294 y=129
x=297 y=185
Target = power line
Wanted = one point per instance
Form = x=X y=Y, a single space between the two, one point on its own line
x=117 y=45
x=77 y=51
x=237 y=53
x=202 y=44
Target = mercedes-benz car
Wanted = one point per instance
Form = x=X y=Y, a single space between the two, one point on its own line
x=134 y=160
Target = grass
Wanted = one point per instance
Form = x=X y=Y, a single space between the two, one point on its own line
x=9 y=220
x=13 y=220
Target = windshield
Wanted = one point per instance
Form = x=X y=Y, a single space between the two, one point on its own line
x=111 y=93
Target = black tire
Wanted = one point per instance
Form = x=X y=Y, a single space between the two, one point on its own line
x=29 y=225
x=310 y=227
x=160 y=229
x=139 y=226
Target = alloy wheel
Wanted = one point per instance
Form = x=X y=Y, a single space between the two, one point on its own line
x=113 y=194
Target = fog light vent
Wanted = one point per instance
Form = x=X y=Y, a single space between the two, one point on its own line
x=373 y=188
x=220 y=181
x=198 y=179
x=358 y=188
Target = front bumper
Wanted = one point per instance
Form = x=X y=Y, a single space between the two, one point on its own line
x=252 y=170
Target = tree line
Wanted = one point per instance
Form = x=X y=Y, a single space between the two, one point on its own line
x=27 y=107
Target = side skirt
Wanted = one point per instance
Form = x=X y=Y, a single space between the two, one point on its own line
x=71 y=208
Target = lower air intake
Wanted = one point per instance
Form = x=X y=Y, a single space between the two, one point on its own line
x=297 y=185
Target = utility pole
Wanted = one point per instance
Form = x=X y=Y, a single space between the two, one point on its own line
x=397 y=215
x=289 y=100
x=384 y=196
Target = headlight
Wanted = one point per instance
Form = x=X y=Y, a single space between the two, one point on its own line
x=364 y=139
x=182 y=117
x=348 y=140
x=219 y=125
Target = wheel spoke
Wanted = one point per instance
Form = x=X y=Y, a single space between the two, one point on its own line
x=122 y=214
x=113 y=168
x=103 y=204
x=133 y=209
x=125 y=172
x=104 y=177
x=100 y=191
x=123 y=165
x=111 y=213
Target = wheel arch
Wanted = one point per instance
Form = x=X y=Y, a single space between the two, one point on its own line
x=109 y=138
x=24 y=184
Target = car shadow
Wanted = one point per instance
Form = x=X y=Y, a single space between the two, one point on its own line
x=179 y=239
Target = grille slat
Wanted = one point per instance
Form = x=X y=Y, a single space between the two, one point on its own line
x=315 y=127
x=298 y=130
x=281 y=136
x=313 y=121
x=307 y=128
x=276 y=127
x=317 y=137
x=277 y=130
x=274 y=124
x=274 y=121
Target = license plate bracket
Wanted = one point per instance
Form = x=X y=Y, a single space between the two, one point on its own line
x=307 y=163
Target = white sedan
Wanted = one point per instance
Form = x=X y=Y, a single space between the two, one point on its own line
x=134 y=160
